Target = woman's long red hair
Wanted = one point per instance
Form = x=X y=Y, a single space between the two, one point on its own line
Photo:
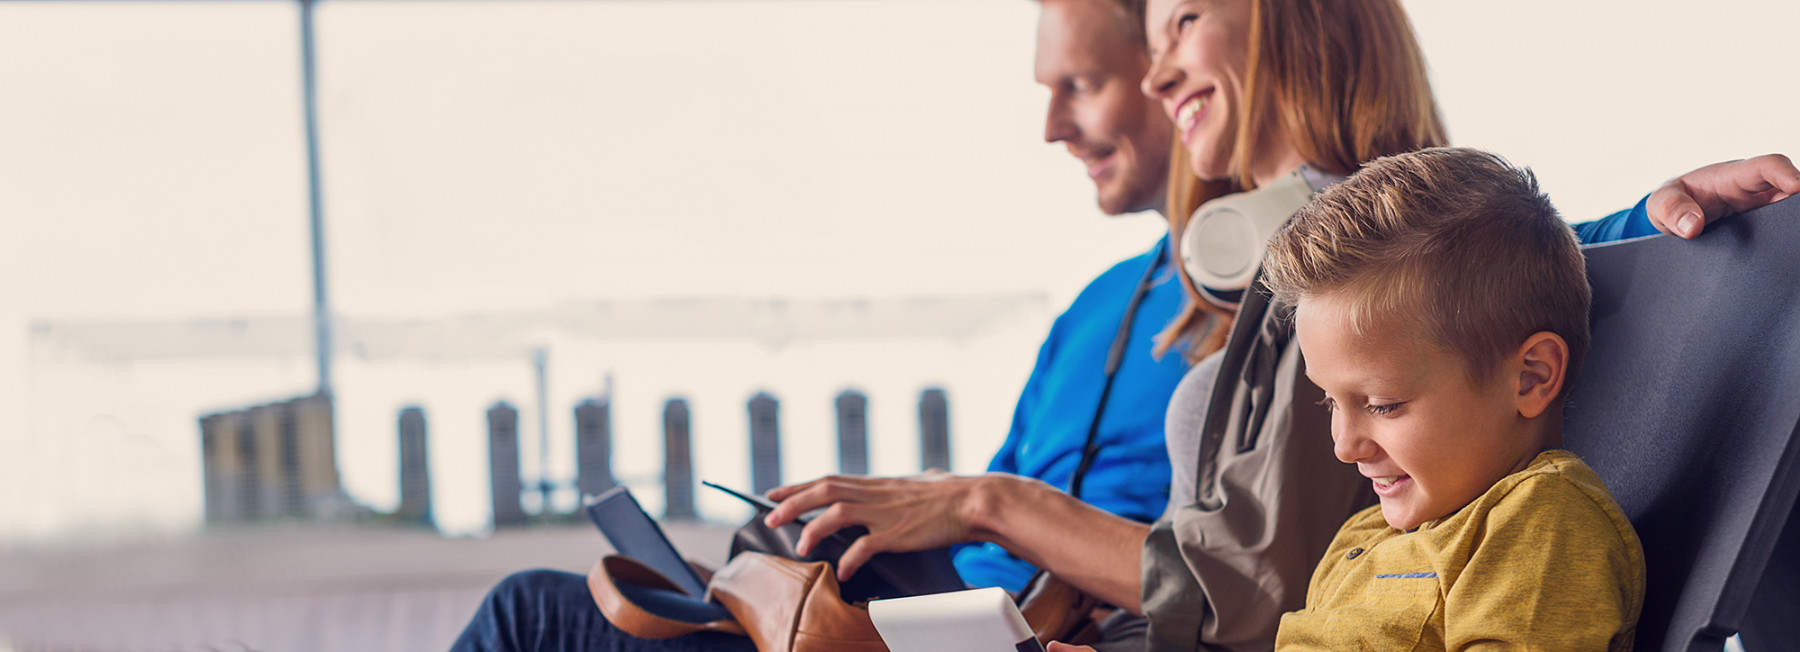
x=1344 y=82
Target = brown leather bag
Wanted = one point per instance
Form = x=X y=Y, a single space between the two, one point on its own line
x=785 y=605
x=1057 y=611
x=793 y=606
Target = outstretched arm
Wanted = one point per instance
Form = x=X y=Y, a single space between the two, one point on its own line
x=1096 y=551
x=1686 y=204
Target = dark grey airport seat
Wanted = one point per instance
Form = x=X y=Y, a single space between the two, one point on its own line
x=1688 y=408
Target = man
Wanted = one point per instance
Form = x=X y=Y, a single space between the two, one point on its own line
x=1091 y=56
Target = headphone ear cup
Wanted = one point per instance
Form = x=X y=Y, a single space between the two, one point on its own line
x=1223 y=244
x=1219 y=247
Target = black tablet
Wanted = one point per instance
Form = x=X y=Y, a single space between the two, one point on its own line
x=634 y=534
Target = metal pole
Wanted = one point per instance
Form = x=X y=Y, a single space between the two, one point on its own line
x=934 y=430
x=309 y=96
x=678 y=462
x=853 y=432
x=503 y=464
x=765 y=442
x=541 y=358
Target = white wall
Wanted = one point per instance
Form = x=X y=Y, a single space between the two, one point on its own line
x=486 y=156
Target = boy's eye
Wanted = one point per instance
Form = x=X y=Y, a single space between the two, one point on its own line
x=1382 y=410
x=1377 y=410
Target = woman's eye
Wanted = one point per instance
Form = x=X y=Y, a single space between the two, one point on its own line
x=1328 y=404
x=1182 y=22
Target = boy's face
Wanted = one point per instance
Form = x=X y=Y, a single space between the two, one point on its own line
x=1405 y=412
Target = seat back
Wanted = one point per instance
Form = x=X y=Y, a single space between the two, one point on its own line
x=1688 y=406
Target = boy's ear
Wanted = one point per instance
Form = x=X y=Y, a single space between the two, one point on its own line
x=1542 y=363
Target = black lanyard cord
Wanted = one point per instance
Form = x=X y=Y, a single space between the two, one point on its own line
x=1115 y=356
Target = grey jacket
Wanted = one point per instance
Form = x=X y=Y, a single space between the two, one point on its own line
x=1258 y=493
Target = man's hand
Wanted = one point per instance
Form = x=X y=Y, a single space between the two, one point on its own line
x=1686 y=204
x=902 y=514
x=1058 y=646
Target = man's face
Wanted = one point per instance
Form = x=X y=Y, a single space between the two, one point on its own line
x=1092 y=66
x=1405 y=412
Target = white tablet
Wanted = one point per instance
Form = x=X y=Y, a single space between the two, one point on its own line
x=976 y=620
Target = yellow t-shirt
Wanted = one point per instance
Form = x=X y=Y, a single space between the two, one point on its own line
x=1543 y=561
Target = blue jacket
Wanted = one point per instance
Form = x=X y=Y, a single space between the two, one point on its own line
x=1130 y=476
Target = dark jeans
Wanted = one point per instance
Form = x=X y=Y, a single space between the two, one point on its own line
x=552 y=611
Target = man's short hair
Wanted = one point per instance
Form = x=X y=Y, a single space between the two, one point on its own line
x=1130 y=14
x=1456 y=244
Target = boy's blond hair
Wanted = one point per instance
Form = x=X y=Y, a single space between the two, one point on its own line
x=1456 y=244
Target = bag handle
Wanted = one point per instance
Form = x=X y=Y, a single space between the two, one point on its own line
x=644 y=603
x=1057 y=611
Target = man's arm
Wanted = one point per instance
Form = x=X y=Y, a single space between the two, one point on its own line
x=1683 y=206
x=1096 y=551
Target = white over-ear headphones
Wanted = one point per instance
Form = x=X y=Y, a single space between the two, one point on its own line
x=1223 y=245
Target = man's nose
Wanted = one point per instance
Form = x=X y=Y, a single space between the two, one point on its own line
x=1058 y=125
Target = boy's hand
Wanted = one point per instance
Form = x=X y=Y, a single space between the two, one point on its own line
x=1686 y=204
x=1058 y=646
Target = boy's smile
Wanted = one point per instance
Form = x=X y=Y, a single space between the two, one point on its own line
x=1405 y=411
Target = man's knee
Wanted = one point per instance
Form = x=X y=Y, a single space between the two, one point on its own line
x=537 y=585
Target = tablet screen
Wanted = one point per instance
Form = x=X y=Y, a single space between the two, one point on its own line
x=634 y=534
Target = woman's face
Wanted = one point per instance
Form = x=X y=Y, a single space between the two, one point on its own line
x=1199 y=51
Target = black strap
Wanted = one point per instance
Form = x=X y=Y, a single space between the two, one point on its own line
x=1251 y=353
x=1115 y=356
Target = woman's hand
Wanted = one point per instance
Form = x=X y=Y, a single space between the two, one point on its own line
x=920 y=512
x=1686 y=204
x=1058 y=646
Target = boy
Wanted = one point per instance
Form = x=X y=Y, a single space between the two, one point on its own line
x=1442 y=306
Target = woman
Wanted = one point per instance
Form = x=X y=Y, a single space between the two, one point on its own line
x=1253 y=104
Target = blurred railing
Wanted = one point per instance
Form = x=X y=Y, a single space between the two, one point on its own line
x=271 y=461
x=593 y=451
x=278 y=461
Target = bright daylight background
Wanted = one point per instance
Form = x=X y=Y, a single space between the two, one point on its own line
x=510 y=160
x=613 y=181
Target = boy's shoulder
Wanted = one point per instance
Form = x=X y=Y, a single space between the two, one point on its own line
x=1555 y=476
x=1557 y=493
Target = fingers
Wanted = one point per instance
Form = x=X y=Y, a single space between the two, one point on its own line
x=827 y=523
x=1059 y=646
x=781 y=493
x=1675 y=212
x=802 y=498
x=1779 y=173
x=1686 y=204
x=859 y=553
